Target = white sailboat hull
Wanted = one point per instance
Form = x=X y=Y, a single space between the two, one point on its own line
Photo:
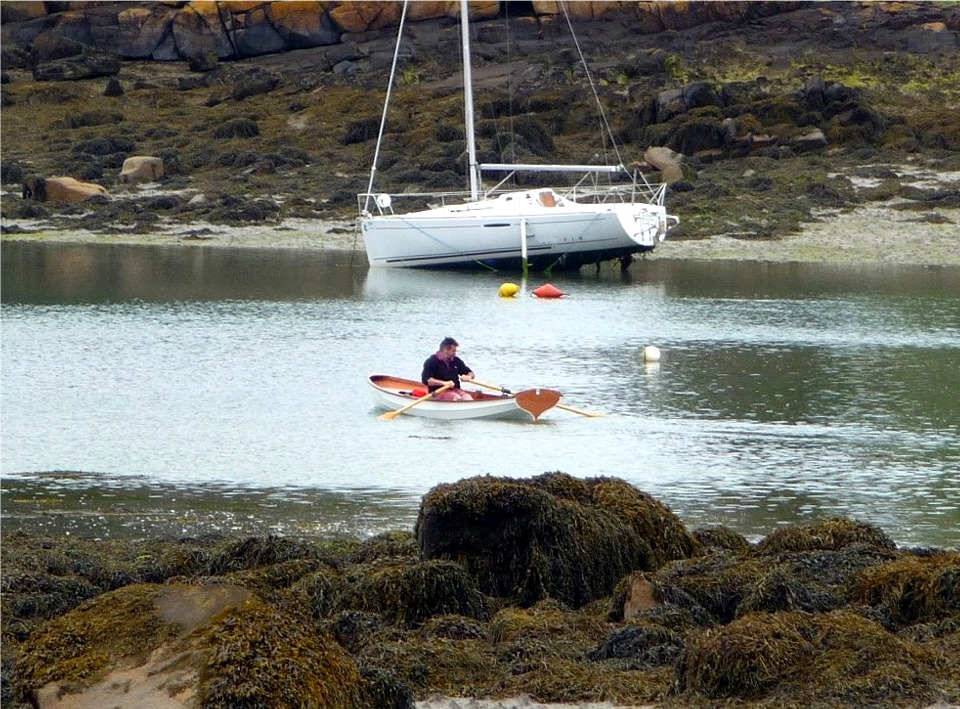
x=511 y=228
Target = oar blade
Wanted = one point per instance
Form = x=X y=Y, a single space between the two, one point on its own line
x=536 y=401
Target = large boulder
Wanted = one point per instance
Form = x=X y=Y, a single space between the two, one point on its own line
x=552 y=536
x=143 y=29
x=61 y=189
x=666 y=161
x=77 y=68
x=141 y=168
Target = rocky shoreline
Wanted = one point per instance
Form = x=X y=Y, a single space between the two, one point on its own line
x=486 y=604
x=876 y=234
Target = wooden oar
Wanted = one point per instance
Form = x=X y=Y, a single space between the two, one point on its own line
x=557 y=406
x=588 y=414
x=390 y=415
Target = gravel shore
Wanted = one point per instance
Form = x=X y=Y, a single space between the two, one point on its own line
x=875 y=234
x=872 y=234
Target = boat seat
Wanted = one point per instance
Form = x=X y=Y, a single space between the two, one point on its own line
x=547 y=199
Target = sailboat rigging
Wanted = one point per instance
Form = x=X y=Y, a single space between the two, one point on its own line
x=542 y=228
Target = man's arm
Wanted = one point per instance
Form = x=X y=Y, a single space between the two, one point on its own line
x=427 y=371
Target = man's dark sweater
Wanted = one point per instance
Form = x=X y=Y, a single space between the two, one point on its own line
x=447 y=371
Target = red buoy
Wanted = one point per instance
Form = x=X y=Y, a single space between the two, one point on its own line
x=548 y=291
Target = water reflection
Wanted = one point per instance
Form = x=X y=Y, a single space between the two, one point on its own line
x=101 y=273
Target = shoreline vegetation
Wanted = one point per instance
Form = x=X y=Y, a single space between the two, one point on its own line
x=551 y=591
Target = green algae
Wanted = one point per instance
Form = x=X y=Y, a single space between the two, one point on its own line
x=80 y=646
x=262 y=656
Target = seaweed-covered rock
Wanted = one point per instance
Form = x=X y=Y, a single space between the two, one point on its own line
x=408 y=594
x=384 y=690
x=44 y=577
x=549 y=536
x=835 y=659
x=650 y=644
x=264 y=657
x=913 y=589
x=722 y=538
x=143 y=644
x=780 y=591
x=320 y=591
x=387 y=545
x=811 y=580
x=453 y=627
x=831 y=534
x=254 y=552
x=713 y=584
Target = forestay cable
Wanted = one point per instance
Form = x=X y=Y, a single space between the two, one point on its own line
x=386 y=106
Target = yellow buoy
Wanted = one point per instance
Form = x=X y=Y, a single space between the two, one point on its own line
x=651 y=353
x=508 y=290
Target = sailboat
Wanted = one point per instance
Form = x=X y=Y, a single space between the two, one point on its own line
x=542 y=228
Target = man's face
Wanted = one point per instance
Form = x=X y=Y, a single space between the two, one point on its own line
x=448 y=353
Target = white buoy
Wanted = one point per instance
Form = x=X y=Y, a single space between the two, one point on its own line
x=651 y=353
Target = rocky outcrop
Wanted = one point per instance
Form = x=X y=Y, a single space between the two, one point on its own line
x=551 y=536
x=815 y=615
x=772 y=82
x=194 y=31
x=60 y=189
x=203 y=32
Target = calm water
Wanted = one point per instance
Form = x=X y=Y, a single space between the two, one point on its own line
x=785 y=393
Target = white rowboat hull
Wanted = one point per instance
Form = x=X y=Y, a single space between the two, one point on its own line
x=393 y=393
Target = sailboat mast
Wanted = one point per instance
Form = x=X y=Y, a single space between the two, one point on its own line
x=468 y=100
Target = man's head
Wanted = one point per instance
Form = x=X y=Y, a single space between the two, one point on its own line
x=448 y=348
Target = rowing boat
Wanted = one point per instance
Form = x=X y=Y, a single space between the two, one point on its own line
x=393 y=393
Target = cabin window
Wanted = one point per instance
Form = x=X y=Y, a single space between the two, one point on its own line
x=547 y=199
